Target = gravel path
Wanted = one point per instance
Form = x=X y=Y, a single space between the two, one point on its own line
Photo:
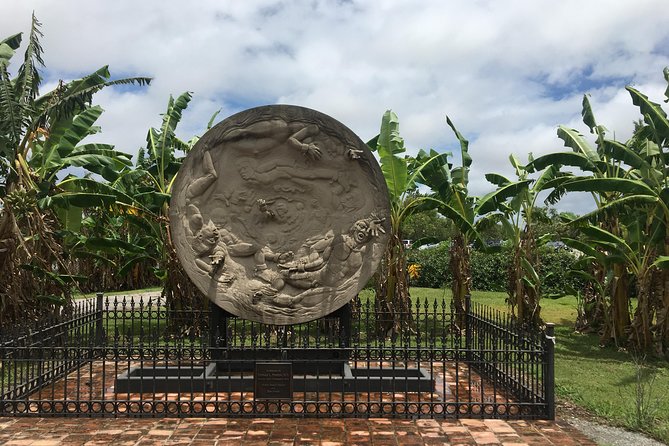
x=609 y=435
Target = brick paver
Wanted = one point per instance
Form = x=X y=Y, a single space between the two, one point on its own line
x=285 y=431
x=96 y=381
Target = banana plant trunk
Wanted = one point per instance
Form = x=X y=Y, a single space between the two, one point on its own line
x=393 y=301
x=526 y=290
x=29 y=254
x=460 y=258
x=592 y=313
x=663 y=316
x=183 y=299
x=641 y=337
x=515 y=288
x=663 y=297
x=619 y=319
x=620 y=314
x=15 y=292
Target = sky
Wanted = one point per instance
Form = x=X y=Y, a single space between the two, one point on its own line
x=507 y=73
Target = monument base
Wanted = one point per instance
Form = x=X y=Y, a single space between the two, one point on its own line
x=305 y=361
x=234 y=376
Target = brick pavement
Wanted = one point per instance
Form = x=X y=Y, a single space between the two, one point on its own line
x=95 y=381
x=285 y=431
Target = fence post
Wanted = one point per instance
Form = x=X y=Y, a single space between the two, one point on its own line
x=468 y=326
x=99 y=329
x=218 y=330
x=344 y=314
x=549 y=371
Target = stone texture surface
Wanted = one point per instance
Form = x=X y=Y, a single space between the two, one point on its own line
x=280 y=214
x=286 y=431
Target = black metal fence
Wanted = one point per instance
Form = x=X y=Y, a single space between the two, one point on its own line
x=123 y=356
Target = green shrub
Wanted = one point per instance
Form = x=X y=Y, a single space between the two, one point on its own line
x=490 y=270
x=434 y=271
x=555 y=264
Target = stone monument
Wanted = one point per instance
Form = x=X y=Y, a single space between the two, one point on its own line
x=280 y=215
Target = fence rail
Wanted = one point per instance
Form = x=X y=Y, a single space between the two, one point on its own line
x=120 y=356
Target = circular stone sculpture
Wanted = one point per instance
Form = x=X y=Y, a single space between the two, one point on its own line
x=279 y=214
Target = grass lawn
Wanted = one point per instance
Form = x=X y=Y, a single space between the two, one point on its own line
x=603 y=381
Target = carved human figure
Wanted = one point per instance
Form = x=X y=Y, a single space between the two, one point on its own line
x=278 y=302
x=265 y=207
x=271 y=172
x=262 y=136
x=205 y=244
x=313 y=254
x=336 y=258
x=201 y=184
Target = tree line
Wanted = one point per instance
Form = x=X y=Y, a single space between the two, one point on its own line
x=624 y=242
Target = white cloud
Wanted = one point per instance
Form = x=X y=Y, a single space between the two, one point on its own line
x=506 y=72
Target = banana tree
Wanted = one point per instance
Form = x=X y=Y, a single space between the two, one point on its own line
x=468 y=213
x=638 y=200
x=607 y=311
x=402 y=174
x=39 y=137
x=159 y=162
x=519 y=215
x=637 y=251
x=460 y=207
x=145 y=211
x=138 y=237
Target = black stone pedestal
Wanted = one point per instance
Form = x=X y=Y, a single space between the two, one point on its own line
x=208 y=379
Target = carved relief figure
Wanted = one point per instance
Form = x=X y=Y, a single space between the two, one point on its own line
x=336 y=258
x=259 y=137
x=330 y=262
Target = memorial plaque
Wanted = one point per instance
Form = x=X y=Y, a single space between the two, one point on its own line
x=280 y=214
x=273 y=381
